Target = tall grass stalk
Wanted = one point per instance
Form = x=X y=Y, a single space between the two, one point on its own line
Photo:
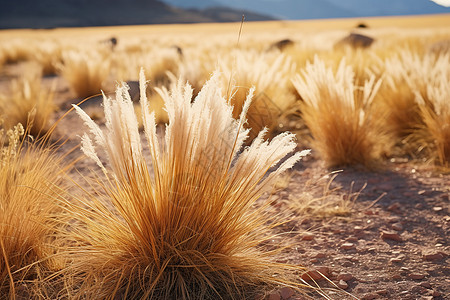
x=183 y=223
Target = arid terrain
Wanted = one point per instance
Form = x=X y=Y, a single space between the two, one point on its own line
x=374 y=233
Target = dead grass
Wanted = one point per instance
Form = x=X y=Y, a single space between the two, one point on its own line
x=183 y=225
x=28 y=208
x=435 y=113
x=85 y=71
x=345 y=128
x=28 y=102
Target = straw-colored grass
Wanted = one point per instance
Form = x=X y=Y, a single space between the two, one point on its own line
x=183 y=223
x=85 y=71
x=345 y=127
x=28 y=207
x=435 y=112
x=408 y=73
x=28 y=102
x=269 y=73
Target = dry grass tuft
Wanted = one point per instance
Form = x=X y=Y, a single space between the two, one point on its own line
x=28 y=102
x=346 y=128
x=321 y=198
x=435 y=112
x=182 y=223
x=269 y=74
x=28 y=207
x=85 y=71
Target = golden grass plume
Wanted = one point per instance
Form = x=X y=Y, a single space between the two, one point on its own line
x=183 y=225
x=345 y=127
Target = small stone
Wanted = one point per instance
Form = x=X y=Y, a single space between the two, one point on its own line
x=358 y=228
x=274 y=296
x=352 y=239
x=419 y=289
x=382 y=292
x=389 y=235
x=394 y=207
x=397 y=259
x=320 y=255
x=347 y=246
x=437 y=208
x=317 y=274
x=347 y=264
x=436 y=293
x=426 y=285
x=307 y=236
x=345 y=276
x=396 y=277
x=369 y=296
x=416 y=276
x=397 y=226
x=431 y=256
x=342 y=284
x=286 y=292
x=418 y=206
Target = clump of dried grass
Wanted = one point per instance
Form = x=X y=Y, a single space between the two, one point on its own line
x=85 y=71
x=28 y=207
x=346 y=128
x=28 y=102
x=270 y=74
x=322 y=198
x=434 y=107
x=408 y=73
x=182 y=223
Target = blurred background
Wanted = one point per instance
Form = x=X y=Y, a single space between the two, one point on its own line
x=81 y=13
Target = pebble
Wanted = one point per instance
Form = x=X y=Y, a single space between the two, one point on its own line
x=274 y=296
x=416 y=276
x=316 y=274
x=307 y=236
x=397 y=259
x=369 y=296
x=345 y=276
x=437 y=208
x=436 y=294
x=396 y=277
x=347 y=246
x=352 y=239
x=382 y=292
x=430 y=256
x=286 y=292
x=397 y=226
x=394 y=207
x=426 y=285
x=342 y=284
x=389 y=235
x=320 y=255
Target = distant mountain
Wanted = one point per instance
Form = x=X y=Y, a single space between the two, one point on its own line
x=318 y=9
x=76 y=13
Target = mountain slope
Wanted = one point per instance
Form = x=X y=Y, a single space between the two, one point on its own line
x=71 y=13
x=312 y=9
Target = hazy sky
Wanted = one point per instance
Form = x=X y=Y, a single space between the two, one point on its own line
x=442 y=2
